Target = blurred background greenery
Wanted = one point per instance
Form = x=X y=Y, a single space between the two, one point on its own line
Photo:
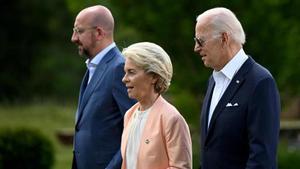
x=40 y=70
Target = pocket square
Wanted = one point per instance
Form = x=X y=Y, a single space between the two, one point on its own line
x=228 y=105
x=232 y=105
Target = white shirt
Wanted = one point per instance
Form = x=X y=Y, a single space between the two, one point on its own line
x=92 y=64
x=223 y=78
x=137 y=125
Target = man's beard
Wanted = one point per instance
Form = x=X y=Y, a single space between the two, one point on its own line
x=86 y=53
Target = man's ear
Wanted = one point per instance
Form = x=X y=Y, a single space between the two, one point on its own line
x=100 y=33
x=225 y=37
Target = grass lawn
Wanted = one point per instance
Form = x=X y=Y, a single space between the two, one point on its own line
x=50 y=118
x=46 y=117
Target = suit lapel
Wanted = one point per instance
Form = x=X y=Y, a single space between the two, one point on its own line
x=83 y=86
x=148 y=128
x=150 y=124
x=81 y=93
x=231 y=90
x=206 y=104
x=126 y=131
x=95 y=81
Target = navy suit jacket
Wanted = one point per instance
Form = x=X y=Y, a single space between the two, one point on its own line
x=244 y=135
x=99 y=117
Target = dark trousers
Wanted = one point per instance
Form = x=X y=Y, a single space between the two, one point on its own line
x=74 y=165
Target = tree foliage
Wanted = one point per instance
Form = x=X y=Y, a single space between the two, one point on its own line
x=38 y=59
x=271 y=28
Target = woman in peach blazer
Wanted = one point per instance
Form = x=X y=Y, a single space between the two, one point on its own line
x=155 y=135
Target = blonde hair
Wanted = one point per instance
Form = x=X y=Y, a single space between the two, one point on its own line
x=152 y=59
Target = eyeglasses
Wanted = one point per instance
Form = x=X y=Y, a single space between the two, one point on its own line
x=80 y=31
x=199 y=41
x=202 y=42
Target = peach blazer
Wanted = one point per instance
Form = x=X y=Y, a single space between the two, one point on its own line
x=166 y=140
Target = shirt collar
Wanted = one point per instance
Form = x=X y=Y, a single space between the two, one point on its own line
x=234 y=64
x=96 y=60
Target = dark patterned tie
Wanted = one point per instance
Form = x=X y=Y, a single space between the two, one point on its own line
x=84 y=84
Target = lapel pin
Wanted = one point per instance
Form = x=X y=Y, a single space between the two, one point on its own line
x=237 y=81
x=147 y=141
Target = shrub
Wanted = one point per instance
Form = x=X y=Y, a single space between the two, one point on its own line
x=25 y=149
x=288 y=156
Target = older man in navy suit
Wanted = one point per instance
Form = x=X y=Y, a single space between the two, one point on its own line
x=103 y=98
x=240 y=112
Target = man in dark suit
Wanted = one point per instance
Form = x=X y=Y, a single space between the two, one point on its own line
x=103 y=98
x=240 y=112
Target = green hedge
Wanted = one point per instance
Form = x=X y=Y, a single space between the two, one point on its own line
x=288 y=156
x=25 y=149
